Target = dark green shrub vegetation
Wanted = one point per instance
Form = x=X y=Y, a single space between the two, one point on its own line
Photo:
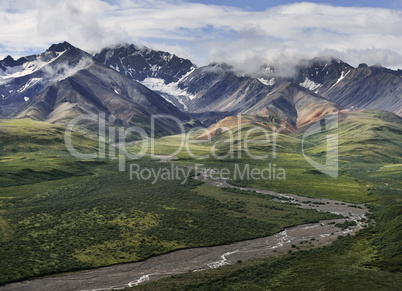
x=346 y=224
x=370 y=172
x=370 y=260
x=59 y=214
x=104 y=219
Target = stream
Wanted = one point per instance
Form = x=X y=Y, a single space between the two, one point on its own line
x=122 y=276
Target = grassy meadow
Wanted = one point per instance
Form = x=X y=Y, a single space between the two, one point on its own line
x=59 y=213
x=370 y=161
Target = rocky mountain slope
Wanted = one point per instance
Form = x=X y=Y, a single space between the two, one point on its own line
x=141 y=63
x=65 y=81
x=158 y=70
x=216 y=90
x=364 y=87
x=22 y=79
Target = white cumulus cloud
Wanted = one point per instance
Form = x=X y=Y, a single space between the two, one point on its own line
x=280 y=35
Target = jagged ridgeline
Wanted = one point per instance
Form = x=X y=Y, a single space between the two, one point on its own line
x=65 y=82
x=133 y=83
x=60 y=213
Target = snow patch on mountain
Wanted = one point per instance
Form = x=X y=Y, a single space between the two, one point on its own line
x=267 y=82
x=171 y=89
x=343 y=75
x=28 y=84
x=116 y=68
x=27 y=68
x=309 y=84
x=159 y=85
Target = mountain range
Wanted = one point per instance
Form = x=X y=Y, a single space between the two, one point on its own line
x=64 y=82
x=364 y=87
x=217 y=88
x=61 y=213
x=133 y=83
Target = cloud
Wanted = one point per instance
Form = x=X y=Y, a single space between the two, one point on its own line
x=283 y=35
x=279 y=36
x=63 y=70
x=32 y=25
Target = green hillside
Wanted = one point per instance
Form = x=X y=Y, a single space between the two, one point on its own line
x=59 y=213
x=370 y=160
x=371 y=136
x=33 y=151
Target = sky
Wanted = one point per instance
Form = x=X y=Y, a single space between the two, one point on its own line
x=245 y=34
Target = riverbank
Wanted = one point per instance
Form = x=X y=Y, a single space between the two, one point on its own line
x=198 y=259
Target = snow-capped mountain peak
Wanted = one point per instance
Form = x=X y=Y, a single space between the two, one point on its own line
x=10 y=68
x=140 y=63
x=23 y=78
